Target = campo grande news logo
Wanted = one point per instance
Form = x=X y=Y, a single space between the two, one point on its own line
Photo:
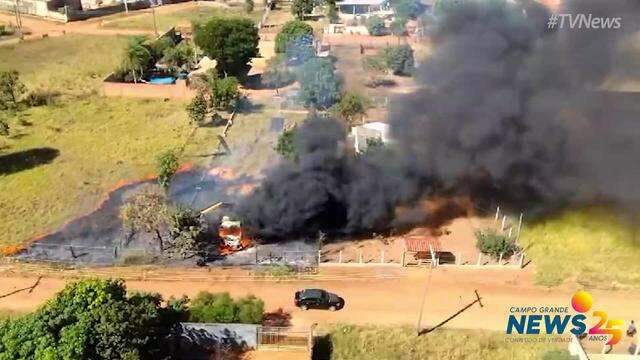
x=551 y=320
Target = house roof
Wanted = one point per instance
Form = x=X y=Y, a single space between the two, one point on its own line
x=421 y=243
x=361 y=2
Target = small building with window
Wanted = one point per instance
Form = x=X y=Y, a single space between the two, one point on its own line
x=350 y=9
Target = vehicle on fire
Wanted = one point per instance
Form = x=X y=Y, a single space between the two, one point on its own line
x=318 y=299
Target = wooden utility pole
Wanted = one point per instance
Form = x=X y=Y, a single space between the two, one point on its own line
x=424 y=298
x=18 y=18
x=155 y=23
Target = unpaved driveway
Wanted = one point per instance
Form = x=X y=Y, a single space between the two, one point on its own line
x=374 y=295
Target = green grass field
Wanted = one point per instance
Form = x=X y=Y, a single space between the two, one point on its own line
x=61 y=159
x=182 y=17
x=401 y=343
x=596 y=247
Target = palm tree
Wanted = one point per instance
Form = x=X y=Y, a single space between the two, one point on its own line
x=137 y=56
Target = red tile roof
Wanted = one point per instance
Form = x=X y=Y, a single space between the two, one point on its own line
x=421 y=243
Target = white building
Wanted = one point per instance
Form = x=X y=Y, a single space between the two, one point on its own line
x=350 y=9
x=373 y=130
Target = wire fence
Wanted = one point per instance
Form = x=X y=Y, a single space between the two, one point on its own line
x=299 y=258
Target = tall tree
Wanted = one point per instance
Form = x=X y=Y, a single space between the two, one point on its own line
x=300 y=8
x=147 y=212
x=291 y=31
x=92 y=319
x=232 y=42
x=319 y=85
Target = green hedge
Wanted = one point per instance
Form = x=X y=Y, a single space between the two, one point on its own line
x=494 y=244
x=222 y=308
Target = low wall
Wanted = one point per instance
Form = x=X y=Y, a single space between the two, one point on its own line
x=33 y=7
x=179 y=90
x=197 y=339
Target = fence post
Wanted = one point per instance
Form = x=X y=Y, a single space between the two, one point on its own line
x=319 y=257
x=519 y=227
x=257 y=247
x=495 y=220
x=381 y=256
x=340 y=257
x=479 y=259
x=500 y=259
x=504 y=220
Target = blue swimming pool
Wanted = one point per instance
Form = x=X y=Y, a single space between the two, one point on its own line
x=162 y=80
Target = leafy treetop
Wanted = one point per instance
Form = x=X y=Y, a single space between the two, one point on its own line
x=232 y=42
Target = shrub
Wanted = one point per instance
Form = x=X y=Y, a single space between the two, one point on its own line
x=407 y=9
x=291 y=31
x=374 y=144
x=11 y=89
x=276 y=270
x=167 y=167
x=277 y=74
x=332 y=12
x=4 y=127
x=225 y=93
x=491 y=243
x=221 y=308
x=350 y=105
x=375 y=26
x=399 y=59
x=160 y=46
x=398 y=26
x=301 y=7
x=248 y=6
x=181 y=55
x=197 y=109
x=286 y=146
x=40 y=97
x=250 y=310
x=139 y=257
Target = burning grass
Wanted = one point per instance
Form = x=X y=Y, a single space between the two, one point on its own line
x=594 y=246
x=371 y=342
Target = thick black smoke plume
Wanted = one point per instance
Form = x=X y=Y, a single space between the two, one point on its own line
x=510 y=109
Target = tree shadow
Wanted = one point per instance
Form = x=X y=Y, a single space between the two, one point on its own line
x=279 y=318
x=322 y=348
x=245 y=106
x=26 y=159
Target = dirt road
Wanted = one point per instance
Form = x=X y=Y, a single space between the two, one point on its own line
x=373 y=295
